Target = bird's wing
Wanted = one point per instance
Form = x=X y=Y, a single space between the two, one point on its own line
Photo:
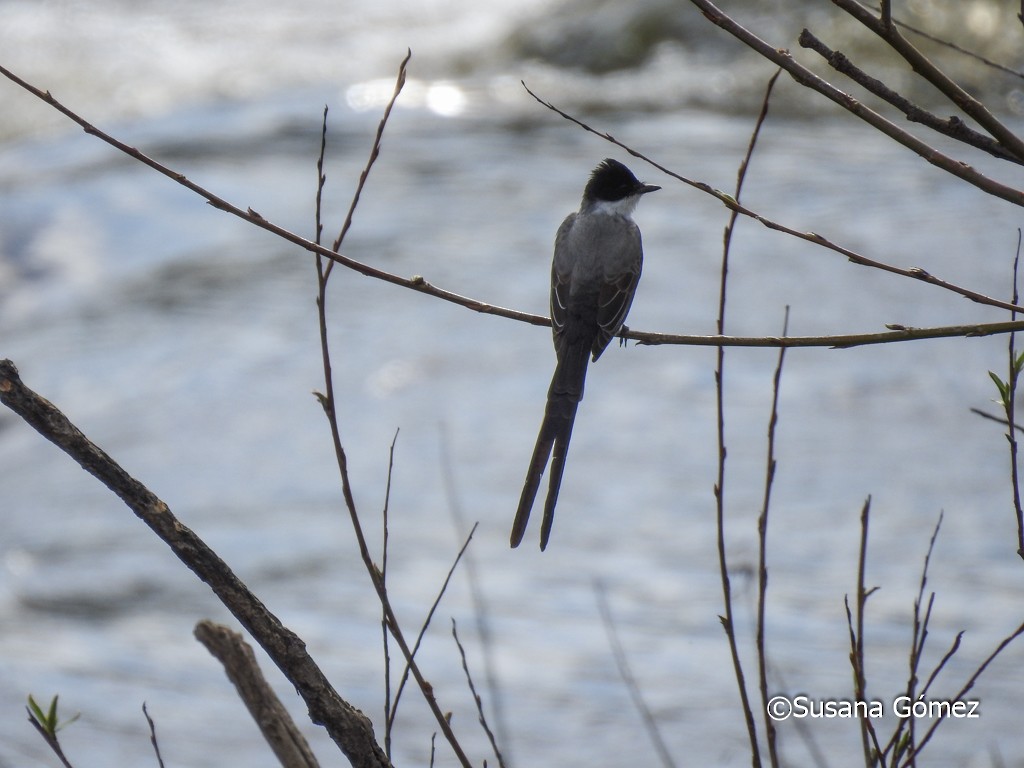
x=614 y=300
x=561 y=278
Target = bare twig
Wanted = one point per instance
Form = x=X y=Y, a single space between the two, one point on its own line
x=476 y=698
x=997 y=419
x=963 y=692
x=953 y=46
x=388 y=719
x=426 y=623
x=728 y=623
x=919 y=637
x=762 y=557
x=1015 y=364
x=869 y=738
x=896 y=333
x=416 y=282
x=284 y=737
x=953 y=648
x=327 y=400
x=152 y=736
x=920 y=63
x=953 y=126
x=350 y=729
x=805 y=77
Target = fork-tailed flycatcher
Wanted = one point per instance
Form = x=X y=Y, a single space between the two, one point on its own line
x=597 y=262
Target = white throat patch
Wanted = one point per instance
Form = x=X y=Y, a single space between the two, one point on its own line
x=623 y=207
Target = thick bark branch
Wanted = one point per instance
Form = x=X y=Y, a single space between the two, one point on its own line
x=351 y=730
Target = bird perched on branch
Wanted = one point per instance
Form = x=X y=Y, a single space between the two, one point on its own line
x=594 y=273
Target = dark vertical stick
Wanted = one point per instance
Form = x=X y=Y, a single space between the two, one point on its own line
x=327 y=400
x=1011 y=433
x=762 y=558
x=857 y=651
x=719 y=490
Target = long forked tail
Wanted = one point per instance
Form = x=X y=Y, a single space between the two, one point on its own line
x=564 y=396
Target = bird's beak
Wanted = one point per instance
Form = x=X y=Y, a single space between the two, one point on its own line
x=645 y=188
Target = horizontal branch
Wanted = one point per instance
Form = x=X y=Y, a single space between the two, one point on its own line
x=351 y=730
x=896 y=333
x=418 y=283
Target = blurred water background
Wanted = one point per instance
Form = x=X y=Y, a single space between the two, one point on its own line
x=184 y=342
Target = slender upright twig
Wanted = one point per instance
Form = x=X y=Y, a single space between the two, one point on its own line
x=727 y=620
x=962 y=693
x=918 y=639
x=869 y=738
x=762 y=551
x=152 y=736
x=481 y=715
x=410 y=662
x=327 y=400
x=385 y=534
x=1011 y=411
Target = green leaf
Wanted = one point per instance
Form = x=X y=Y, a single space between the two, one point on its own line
x=1002 y=386
x=35 y=711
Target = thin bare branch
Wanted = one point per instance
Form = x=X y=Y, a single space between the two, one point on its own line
x=953 y=46
x=762 y=555
x=997 y=419
x=420 y=284
x=728 y=624
x=964 y=691
x=385 y=536
x=1014 y=365
x=416 y=282
x=152 y=736
x=805 y=77
x=426 y=622
x=327 y=400
x=953 y=126
x=845 y=341
x=869 y=736
x=920 y=63
x=482 y=718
